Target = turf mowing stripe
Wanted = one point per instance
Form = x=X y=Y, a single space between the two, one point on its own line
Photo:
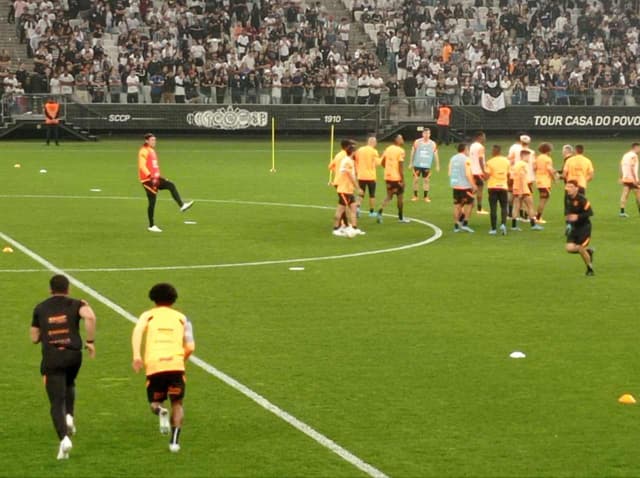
x=233 y=383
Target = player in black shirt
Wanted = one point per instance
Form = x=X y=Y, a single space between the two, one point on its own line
x=55 y=324
x=577 y=210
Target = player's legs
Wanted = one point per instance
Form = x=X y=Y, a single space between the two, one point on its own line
x=578 y=242
x=426 y=185
x=70 y=395
x=416 y=183
x=457 y=212
x=177 y=416
x=515 y=207
x=157 y=386
x=176 y=391
x=166 y=184
x=152 y=194
x=55 y=384
x=353 y=216
x=466 y=210
x=337 y=218
x=503 y=199
x=372 y=197
x=387 y=199
x=493 y=203
x=573 y=248
x=527 y=200
x=637 y=191
x=400 y=203
x=479 y=192
x=623 y=198
x=543 y=197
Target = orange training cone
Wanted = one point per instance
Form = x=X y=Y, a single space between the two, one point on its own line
x=627 y=399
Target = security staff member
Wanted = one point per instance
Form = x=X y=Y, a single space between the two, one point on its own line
x=52 y=120
x=56 y=324
x=444 y=123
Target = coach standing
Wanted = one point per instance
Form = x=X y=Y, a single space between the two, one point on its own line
x=56 y=324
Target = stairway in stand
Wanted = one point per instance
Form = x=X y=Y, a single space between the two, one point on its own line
x=10 y=42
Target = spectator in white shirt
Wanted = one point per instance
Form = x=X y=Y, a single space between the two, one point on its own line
x=341 y=89
x=133 y=87
x=363 y=88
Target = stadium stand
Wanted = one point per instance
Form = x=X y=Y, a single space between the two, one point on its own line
x=214 y=51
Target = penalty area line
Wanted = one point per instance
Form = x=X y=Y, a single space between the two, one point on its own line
x=299 y=425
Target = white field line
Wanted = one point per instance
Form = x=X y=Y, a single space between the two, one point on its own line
x=233 y=383
x=437 y=234
x=134 y=151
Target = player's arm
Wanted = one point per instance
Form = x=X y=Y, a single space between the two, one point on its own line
x=585 y=211
x=621 y=172
x=89 y=316
x=188 y=342
x=590 y=171
x=487 y=171
x=481 y=158
x=34 y=331
x=413 y=151
x=400 y=170
x=353 y=179
x=469 y=174
x=437 y=158
x=633 y=170
x=136 y=343
x=551 y=171
x=142 y=162
x=332 y=171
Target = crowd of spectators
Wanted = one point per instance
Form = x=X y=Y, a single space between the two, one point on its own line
x=283 y=51
x=538 y=52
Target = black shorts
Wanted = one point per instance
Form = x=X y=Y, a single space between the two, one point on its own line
x=369 y=185
x=150 y=189
x=544 y=193
x=580 y=235
x=630 y=185
x=479 y=179
x=345 y=199
x=394 y=187
x=424 y=172
x=161 y=385
x=462 y=196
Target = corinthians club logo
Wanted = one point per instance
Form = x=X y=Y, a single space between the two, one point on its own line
x=229 y=118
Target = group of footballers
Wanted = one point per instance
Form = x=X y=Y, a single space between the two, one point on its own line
x=510 y=183
x=353 y=173
x=510 y=180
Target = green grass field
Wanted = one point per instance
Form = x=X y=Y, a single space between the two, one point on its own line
x=400 y=357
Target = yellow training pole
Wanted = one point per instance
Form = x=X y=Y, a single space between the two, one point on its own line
x=331 y=148
x=273 y=145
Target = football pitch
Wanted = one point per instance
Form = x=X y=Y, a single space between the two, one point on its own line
x=386 y=354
